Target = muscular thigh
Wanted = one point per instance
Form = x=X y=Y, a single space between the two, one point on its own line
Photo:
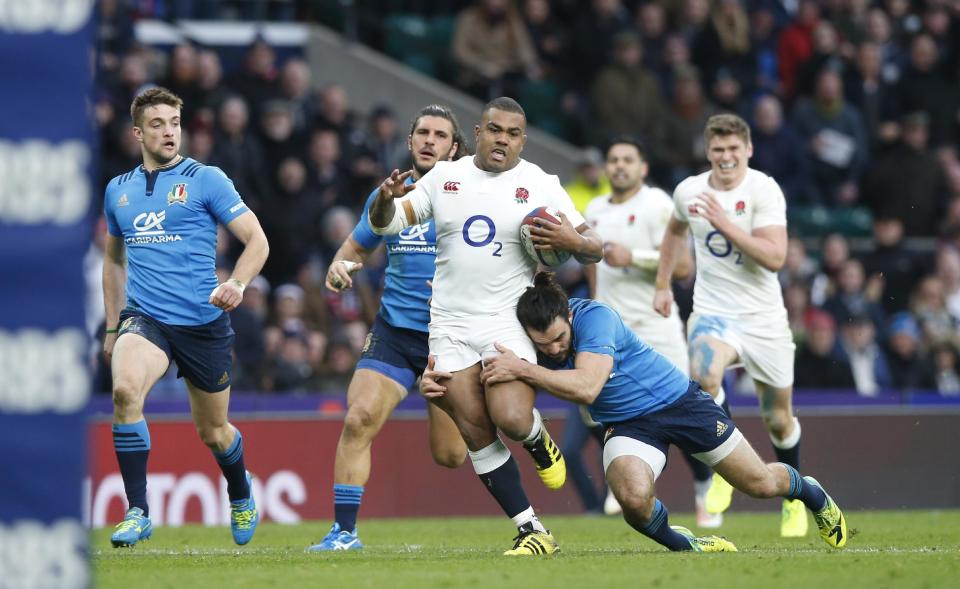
x=710 y=356
x=465 y=403
x=374 y=394
x=137 y=363
x=209 y=409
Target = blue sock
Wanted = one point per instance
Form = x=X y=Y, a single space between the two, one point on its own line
x=231 y=464
x=131 y=441
x=811 y=495
x=346 y=504
x=658 y=529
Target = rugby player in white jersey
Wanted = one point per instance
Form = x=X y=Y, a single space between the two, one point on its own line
x=632 y=220
x=738 y=219
x=478 y=205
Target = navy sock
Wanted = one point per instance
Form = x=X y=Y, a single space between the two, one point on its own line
x=811 y=495
x=346 y=504
x=504 y=484
x=131 y=441
x=701 y=472
x=658 y=529
x=231 y=464
x=789 y=456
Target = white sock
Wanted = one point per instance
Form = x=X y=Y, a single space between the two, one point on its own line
x=527 y=516
x=700 y=488
x=789 y=441
x=490 y=458
x=534 y=435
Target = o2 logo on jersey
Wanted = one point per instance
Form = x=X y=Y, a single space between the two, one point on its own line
x=491 y=233
x=720 y=247
x=150 y=223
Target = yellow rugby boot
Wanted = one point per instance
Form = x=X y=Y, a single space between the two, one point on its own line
x=830 y=520
x=705 y=543
x=531 y=542
x=793 y=519
x=551 y=466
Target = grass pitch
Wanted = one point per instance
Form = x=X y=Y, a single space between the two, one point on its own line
x=914 y=549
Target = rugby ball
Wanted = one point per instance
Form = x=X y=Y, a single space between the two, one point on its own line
x=551 y=258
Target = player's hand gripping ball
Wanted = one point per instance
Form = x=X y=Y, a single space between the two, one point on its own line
x=547 y=257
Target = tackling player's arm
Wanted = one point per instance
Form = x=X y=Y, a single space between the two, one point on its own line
x=245 y=228
x=672 y=250
x=346 y=262
x=114 y=288
x=765 y=245
x=581 y=384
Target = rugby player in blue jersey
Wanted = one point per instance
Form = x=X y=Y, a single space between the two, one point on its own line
x=645 y=403
x=395 y=353
x=163 y=302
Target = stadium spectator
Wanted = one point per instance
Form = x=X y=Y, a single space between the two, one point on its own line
x=594 y=30
x=852 y=298
x=239 y=154
x=385 y=143
x=928 y=305
x=327 y=175
x=295 y=89
x=798 y=268
x=652 y=24
x=291 y=222
x=693 y=19
x=778 y=150
x=836 y=141
x=946 y=364
x=909 y=368
x=826 y=54
x=891 y=261
x=796 y=46
x=908 y=182
x=625 y=96
x=820 y=362
x=210 y=81
x=948 y=271
x=834 y=252
x=868 y=362
x=114 y=34
x=682 y=144
x=926 y=87
x=589 y=181
x=249 y=321
x=727 y=93
x=278 y=135
x=493 y=49
x=182 y=79
x=548 y=35
x=724 y=43
x=335 y=115
x=871 y=93
x=258 y=79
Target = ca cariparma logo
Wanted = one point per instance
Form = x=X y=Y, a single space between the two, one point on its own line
x=148 y=229
x=177 y=195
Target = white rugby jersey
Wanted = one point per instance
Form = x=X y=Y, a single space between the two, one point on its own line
x=637 y=223
x=481 y=267
x=729 y=283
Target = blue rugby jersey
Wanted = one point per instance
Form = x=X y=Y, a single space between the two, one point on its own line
x=641 y=381
x=411 y=262
x=168 y=222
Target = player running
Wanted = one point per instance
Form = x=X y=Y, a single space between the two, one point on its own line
x=645 y=404
x=163 y=303
x=478 y=204
x=738 y=219
x=396 y=350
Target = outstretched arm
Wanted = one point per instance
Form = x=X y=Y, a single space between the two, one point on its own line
x=385 y=218
x=671 y=252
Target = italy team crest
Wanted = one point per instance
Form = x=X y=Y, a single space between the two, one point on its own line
x=177 y=194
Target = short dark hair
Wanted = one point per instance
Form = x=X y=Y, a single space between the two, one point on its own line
x=626 y=140
x=506 y=104
x=153 y=97
x=543 y=302
x=443 y=112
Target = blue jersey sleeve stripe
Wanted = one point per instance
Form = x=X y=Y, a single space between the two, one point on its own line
x=191 y=171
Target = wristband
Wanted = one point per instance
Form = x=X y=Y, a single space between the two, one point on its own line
x=645 y=259
x=113 y=330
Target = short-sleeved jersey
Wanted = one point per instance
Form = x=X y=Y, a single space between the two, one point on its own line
x=636 y=223
x=411 y=258
x=168 y=222
x=728 y=282
x=481 y=267
x=641 y=381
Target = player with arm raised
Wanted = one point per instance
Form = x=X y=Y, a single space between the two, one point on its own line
x=478 y=205
x=646 y=404
x=737 y=216
x=163 y=303
x=632 y=220
x=395 y=353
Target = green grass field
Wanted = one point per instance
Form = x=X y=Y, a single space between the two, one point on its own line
x=889 y=549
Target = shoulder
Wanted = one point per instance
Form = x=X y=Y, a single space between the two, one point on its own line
x=206 y=173
x=531 y=170
x=587 y=313
x=122 y=179
x=690 y=187
x=761 y=183
x=657 y=196
x=597 y=205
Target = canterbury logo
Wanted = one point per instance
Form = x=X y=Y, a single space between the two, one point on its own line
x=721 y=428
x=451 y=186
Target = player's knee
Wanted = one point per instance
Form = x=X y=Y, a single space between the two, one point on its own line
x=126 y=398
x=778 y=422
x=514 y=422
x=762 y=485
x=360 y=422
x=449 y=457
x=637 y=502
x=215 y=437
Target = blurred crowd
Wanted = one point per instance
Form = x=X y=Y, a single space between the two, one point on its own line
x=853 y=103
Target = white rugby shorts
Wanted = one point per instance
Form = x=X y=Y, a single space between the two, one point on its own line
x=460 y=342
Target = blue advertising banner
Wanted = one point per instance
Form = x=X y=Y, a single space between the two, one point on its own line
x=46 y=153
